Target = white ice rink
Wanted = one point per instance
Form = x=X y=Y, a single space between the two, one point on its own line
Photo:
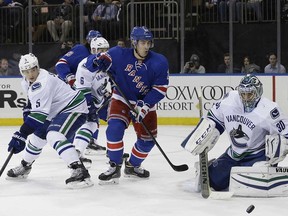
x=166 y=193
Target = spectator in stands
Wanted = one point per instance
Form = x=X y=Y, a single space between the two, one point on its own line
x=5 y=70
x=225 y=67
x=40 y=16
x=249 y=67
x=193 y=66
x=11 y=20
x=224 y=9
x=253 y=5
x=66 y=46
x=121 y=42
x=61 y=20
x=104 y=19
x=274 y=66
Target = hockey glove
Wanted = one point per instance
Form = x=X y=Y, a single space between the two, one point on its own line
x=141 y=109
x=71 y=79
x=17 y=143
x=98 y=62
x=276 y=148
x=103 y=61
x=92 y=115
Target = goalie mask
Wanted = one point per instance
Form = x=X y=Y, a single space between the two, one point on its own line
x=250 y=91
x=99 y=43
x=27 y=62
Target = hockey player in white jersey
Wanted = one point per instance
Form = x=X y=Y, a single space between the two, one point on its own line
x=57 y=112
x=94 y=87
x=256 y=128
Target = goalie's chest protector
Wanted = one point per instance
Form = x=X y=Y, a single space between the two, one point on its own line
x=246 y=131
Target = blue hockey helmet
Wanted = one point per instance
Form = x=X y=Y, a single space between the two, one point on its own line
x=250 y=91
x=140 y=33
x=92 y=34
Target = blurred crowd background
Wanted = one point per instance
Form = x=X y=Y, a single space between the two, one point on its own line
x=197 y=36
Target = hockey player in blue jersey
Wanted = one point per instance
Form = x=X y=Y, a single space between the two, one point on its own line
x=143 y=77
x=66 y=68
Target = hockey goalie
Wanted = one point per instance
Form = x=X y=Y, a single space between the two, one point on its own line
x=257 y=131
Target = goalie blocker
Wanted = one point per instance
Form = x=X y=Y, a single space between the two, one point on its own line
x=204 y=135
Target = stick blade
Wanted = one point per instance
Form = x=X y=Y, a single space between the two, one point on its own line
x=181 y=168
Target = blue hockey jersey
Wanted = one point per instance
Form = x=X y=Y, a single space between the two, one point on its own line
x=145 y=80
x=67 y=65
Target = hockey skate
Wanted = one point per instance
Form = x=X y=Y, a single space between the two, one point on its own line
x=20 y=172
x=80 y=178
x=94 y=148
x=131 y=171
x=111 y=176
x=86 y=161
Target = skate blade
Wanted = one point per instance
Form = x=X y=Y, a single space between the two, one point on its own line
x=114 y=181
x=134 y=177
x=83 y=184
x=18 y=178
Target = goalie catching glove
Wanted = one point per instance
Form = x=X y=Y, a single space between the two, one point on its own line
x=276 y=147
x=140 y=110
x=204 y=135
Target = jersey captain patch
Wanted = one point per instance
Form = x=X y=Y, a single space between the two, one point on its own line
x=36 y=86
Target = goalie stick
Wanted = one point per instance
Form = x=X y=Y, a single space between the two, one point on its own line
x=178 y=168
x=204 y=172
x=6 y=162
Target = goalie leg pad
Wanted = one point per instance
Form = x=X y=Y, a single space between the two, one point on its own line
x=204 y=135
x=259 y=181
x=276 y=148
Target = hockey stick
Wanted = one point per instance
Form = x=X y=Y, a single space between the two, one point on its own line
x=178 y=168
x=204 y=172
x=6 y=162
x=103 y=105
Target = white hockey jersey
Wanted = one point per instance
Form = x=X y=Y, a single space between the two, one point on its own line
x=49 y=95
x=247 y=131
x=91 y=82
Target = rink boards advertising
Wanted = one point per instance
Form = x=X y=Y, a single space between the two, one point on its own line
x=180 y=106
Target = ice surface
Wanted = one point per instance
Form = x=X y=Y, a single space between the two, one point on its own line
x=166 y=193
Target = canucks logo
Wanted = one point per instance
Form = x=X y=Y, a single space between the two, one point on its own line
x=239 y=137
x=35 y=86
x=274 y=113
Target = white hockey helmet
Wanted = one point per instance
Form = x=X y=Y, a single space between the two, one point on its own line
x=27 y=62
x=98 y=43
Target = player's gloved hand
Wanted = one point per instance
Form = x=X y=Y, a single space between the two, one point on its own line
x=17 y=143
x=71 y=79
x=276 y=148
x=102 y=61
x=92 y=115
x=141 y=109
x=26 y=110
